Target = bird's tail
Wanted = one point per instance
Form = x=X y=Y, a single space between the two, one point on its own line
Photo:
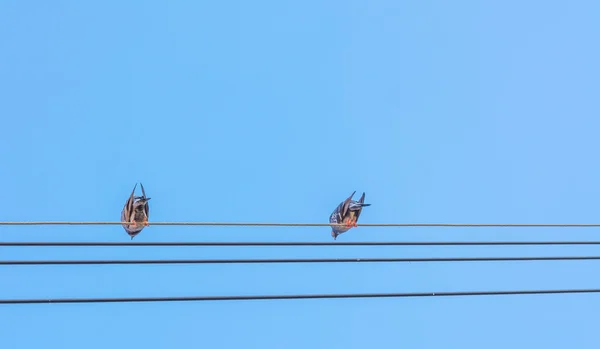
x=361 y=201
x=357 y=206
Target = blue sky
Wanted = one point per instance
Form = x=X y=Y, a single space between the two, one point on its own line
x=273 y=111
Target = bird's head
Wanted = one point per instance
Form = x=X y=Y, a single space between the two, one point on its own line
x=334 y=235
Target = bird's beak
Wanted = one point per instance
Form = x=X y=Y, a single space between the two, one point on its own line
x=132 y=238
x=148 y=199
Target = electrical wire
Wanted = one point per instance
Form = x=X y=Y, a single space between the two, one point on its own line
x=247 y=224
x=336 y=243
x=294 y=260
x=291 y=296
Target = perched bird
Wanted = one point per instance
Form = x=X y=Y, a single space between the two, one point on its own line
x=136 y=211
x=346 y=213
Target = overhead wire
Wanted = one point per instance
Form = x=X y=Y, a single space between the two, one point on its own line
x=256 y=224
x=311 y=260
x=293 y=243
x=293 y=260
x=294 y=296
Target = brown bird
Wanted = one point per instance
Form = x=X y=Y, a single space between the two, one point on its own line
x=134 y=215
x=346 y=213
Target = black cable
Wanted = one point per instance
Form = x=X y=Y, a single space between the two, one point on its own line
x=258 y=224
x=293 y=260
x=367 y=243
x=300 y=296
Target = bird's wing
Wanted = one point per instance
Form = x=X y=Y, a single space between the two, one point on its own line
x=128 y=208
x=143 y=191
x=346 y=205
x=359 y=210
x=146 y=206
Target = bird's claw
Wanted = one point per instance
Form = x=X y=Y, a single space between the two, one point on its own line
x=351 y=224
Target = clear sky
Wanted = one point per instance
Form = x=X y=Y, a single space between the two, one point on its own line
x=275 y=111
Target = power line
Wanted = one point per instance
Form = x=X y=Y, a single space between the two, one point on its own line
x=308 y=243
x=299 y=296
x=316 y=224
x=293 y=260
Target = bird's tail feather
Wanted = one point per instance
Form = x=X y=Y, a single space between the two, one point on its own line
x=357 y=205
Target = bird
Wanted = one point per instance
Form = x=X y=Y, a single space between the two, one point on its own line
x=136 y=212
x=346 y=213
